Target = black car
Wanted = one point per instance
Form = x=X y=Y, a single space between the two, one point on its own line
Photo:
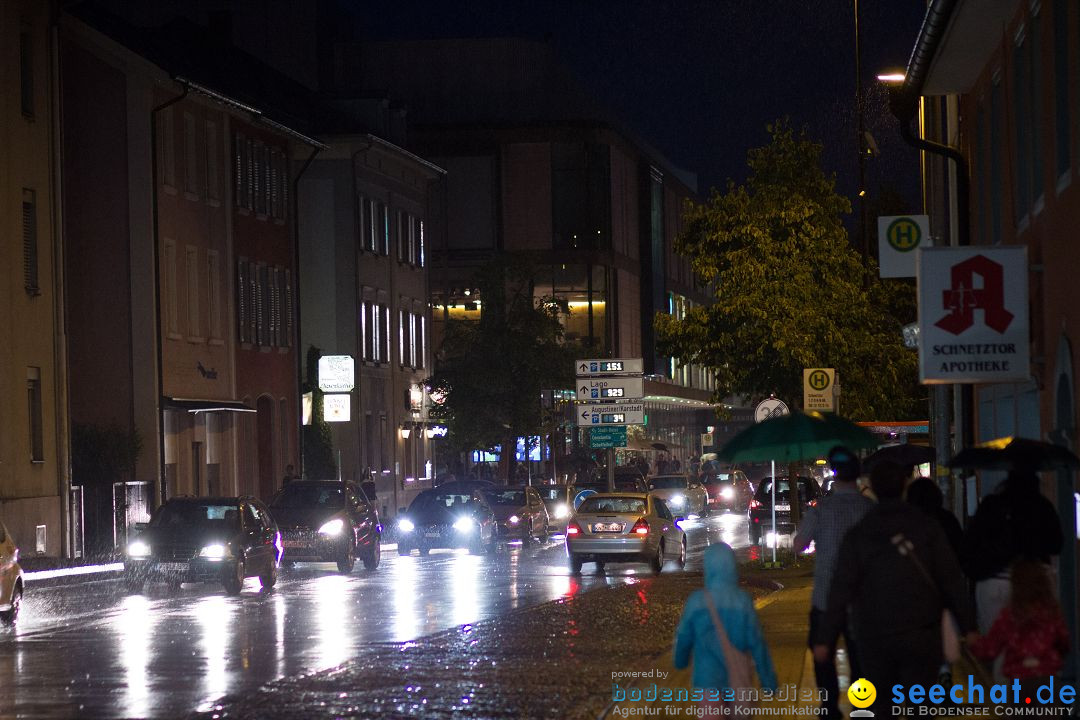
x=729 y=491
x=519 y=512
x=626 y=480
x=219 y=539
x=442 y=517
x=760 y=511
x=328 y=521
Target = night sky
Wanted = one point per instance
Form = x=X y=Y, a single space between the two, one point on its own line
x=700 y=79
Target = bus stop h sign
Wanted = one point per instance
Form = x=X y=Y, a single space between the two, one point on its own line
x=973 y=315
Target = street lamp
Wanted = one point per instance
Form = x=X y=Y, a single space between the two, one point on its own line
x=405 y=431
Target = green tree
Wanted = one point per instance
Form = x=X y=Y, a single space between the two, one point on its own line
x=491 y=372
x=319 y=462
x=790 y=292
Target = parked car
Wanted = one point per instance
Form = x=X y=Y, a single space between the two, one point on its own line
x=760 y=510
x=559 y=500
x=519 y=513
x=11 y=579
x=682 y=494
x=219 y=539
x=729 y=491
x=327 y=521
x=447 y=518
x=624 y=527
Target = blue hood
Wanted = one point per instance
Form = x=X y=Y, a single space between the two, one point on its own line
x=721 y=573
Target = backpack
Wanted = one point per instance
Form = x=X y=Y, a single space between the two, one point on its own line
x=740 y=666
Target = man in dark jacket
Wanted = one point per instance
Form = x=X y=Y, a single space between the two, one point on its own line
x=896 y=572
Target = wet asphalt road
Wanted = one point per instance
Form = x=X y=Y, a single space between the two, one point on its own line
x=92 y=650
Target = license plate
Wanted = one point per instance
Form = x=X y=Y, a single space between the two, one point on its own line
x=607 y=527
x=431 y=534
x=294 y=544
x=785 y=507
x=172 y=567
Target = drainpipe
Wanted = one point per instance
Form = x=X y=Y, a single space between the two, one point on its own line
x=299 y=351
x=162 y=490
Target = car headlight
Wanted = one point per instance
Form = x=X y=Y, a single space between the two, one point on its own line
x=214 y=552
x=513 y=520
x=464 y=525
x=405 y=525
x=561 y=512
x=678 y=500
x=333 y=527
x=727 y=493
x=138 y=549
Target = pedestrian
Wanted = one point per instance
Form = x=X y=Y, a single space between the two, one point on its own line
x=826 y=525
x=1030 y=631
x=290 y=475
x=894 y=575
x=720 y=629
x=925 y=494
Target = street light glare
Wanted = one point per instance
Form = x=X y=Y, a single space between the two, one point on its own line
x=891 y=78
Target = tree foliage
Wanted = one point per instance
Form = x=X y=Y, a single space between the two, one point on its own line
x=491 y=372
x=790 y=292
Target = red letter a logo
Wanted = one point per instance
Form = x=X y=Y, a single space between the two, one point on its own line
x=962 y=299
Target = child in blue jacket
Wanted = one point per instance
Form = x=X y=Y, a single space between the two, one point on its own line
x=696 y=634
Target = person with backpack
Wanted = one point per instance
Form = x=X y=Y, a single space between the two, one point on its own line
x=897 y=574
x=721 y=631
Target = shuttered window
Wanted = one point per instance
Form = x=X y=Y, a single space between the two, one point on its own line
x=30 y=242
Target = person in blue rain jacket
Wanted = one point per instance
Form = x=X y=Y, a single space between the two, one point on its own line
x=696 y=634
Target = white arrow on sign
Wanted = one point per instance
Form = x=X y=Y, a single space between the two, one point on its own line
x=601 y=389
x=602 y=414
x=608 y=366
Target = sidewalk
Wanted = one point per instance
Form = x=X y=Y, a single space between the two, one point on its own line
x=785 y=618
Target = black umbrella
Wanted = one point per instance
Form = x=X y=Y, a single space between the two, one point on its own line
x=904 y=454
x=1015 y=453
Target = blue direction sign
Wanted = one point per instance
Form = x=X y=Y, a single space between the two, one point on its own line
x=613 y=436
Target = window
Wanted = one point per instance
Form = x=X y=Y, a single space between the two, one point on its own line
x=404 y=221
x=26 y=72
x=274 y=275
x=259 y=165
x=420 y=243
x=1061 y=85
x=167 y=149
x=382 y=229
x=33 y=396
x=192 y=268
x=30 y=242
x=366 y=219
x=287 y=302
x=267 y=192
x=1023 y=135
x=376 y=333
x=422 y=340
x=191 y=165
x=403 y=351
x=172 y=312
x=213 y=295
x=275 y=180
x=384 y=313
x=243 y=300
x=996 y=117
x=365 y=352
x=213 y=179
x=412 y=340
x=261 y=311
x=242 y=170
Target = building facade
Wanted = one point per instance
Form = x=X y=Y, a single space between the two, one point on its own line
x=34 y=480
x=1004 y=78
x=364 y=204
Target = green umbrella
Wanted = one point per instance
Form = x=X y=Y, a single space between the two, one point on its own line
x=798 y=436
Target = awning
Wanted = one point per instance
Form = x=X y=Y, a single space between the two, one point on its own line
x=197 y=406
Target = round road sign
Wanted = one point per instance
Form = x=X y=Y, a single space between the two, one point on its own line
x=768 y=408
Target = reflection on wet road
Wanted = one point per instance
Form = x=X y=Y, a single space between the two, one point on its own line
x=91 y=650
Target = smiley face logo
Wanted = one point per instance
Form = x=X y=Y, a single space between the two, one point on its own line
x=862 y=693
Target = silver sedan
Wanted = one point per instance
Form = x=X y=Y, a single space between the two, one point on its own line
x=624 y=527
x=11 y=579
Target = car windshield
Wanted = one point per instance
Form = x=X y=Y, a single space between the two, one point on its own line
x=441 y=500
x=667 y=482
x=195 y=514
x=297 y=495
x=783 y=489
x=506 y=497
x=593 y=504
x=552 y=494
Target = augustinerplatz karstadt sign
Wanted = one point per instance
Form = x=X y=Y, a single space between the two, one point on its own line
x=973 y=315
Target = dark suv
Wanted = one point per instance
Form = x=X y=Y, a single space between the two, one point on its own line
x=328 y=521
x=760 y=511
x=218 y=539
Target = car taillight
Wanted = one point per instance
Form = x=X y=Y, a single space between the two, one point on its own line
x=754 y=504
x=573 y=528
x=812 y=503
x=640 y=527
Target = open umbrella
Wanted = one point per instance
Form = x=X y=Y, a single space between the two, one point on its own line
x=1010 y=453
x=903 y=454
x=798 y=436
